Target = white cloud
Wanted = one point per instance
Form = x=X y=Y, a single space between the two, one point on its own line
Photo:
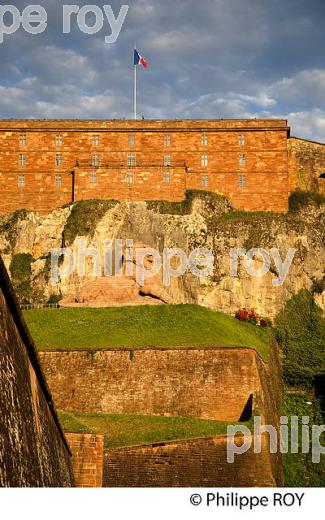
x=305 y=85
x=308 y=124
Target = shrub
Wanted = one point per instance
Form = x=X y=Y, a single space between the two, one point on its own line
x=265 y=322
x=252 y=317
x=318 y=286
x=54 y=298
x=300 y=331
x=21 y=267
x=300 y=199
x=242 y=315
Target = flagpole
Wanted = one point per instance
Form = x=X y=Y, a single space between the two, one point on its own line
x=135 y=92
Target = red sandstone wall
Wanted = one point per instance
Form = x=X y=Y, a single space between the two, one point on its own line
x=87 y=459
x=306 y=164
x=207 y=383
x=33 y=451
x=188 y=463
x=265 y=148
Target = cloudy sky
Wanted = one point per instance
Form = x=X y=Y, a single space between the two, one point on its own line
x=208 y=59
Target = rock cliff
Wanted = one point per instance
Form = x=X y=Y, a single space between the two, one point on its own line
x=203 y=220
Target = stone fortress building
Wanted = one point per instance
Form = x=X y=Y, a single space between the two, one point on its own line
x=254 y=163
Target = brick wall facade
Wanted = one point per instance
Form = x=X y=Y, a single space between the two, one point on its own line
x=207 y=383
x=87 y=459
x=306 y=165
x=45 y=164
x=188 y=463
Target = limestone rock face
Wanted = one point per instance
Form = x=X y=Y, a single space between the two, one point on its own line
x=122 y=288
x=201 y=226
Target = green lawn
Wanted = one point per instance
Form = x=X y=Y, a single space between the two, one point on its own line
x=141 y=327
x=132 y=430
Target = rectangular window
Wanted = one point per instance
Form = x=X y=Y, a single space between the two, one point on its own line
x=58 y=140
x=95 y=140
x=204 y=140
x=241 y=140
x=132 y=159
x=242 y=159
x=242 y=181
x=205 y=181
x=205 y=160
x=58 y=159
x=167 y=140
x=22 y=139
x=21 y=181
x=58 y=181
x=166 y=178
x=129 y=178
x=22 y=159
x=167 y=160
x=131 y=140
x=95 y=160
x=93 y=178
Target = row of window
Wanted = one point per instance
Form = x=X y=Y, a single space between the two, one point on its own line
x=132 y=160
x=129 y=179
x=22 y=181
x=132 y=140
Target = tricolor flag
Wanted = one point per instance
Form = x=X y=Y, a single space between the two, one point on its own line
x=139 y=59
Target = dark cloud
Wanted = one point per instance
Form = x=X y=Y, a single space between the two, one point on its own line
x=214 y=58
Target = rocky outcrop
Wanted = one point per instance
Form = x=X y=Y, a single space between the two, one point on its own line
x=122 y=289
x=206 y=222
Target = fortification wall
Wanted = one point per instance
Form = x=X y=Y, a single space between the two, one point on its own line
x=33 y=450
x=188 y=463
x=306 y=164
x=87 y=459
x=206 y=383
x=245 y=160
x=203 y=383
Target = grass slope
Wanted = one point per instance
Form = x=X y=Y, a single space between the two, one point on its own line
x=132 y=430
x=138 y=327
x=299 y=469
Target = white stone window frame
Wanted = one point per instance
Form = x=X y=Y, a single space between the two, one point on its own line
x=21 y=181
x=205 y=181
x=22 y=160
x=95 y=160
x=129 y=178
x=204 y=160
x=58 y=159
x=242 y=181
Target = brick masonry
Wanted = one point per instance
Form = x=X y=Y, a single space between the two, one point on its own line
x=256 y=181
x=306 y=165
x=206 y=383
x=188 y=463
x=33 y=449
x=87 y=459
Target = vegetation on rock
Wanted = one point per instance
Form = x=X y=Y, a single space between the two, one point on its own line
x=84 y=218
x=184 y=207
x=21 y=269
x=300 y=331
x=300 y=199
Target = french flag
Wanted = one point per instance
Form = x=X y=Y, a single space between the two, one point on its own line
x=139 y=59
